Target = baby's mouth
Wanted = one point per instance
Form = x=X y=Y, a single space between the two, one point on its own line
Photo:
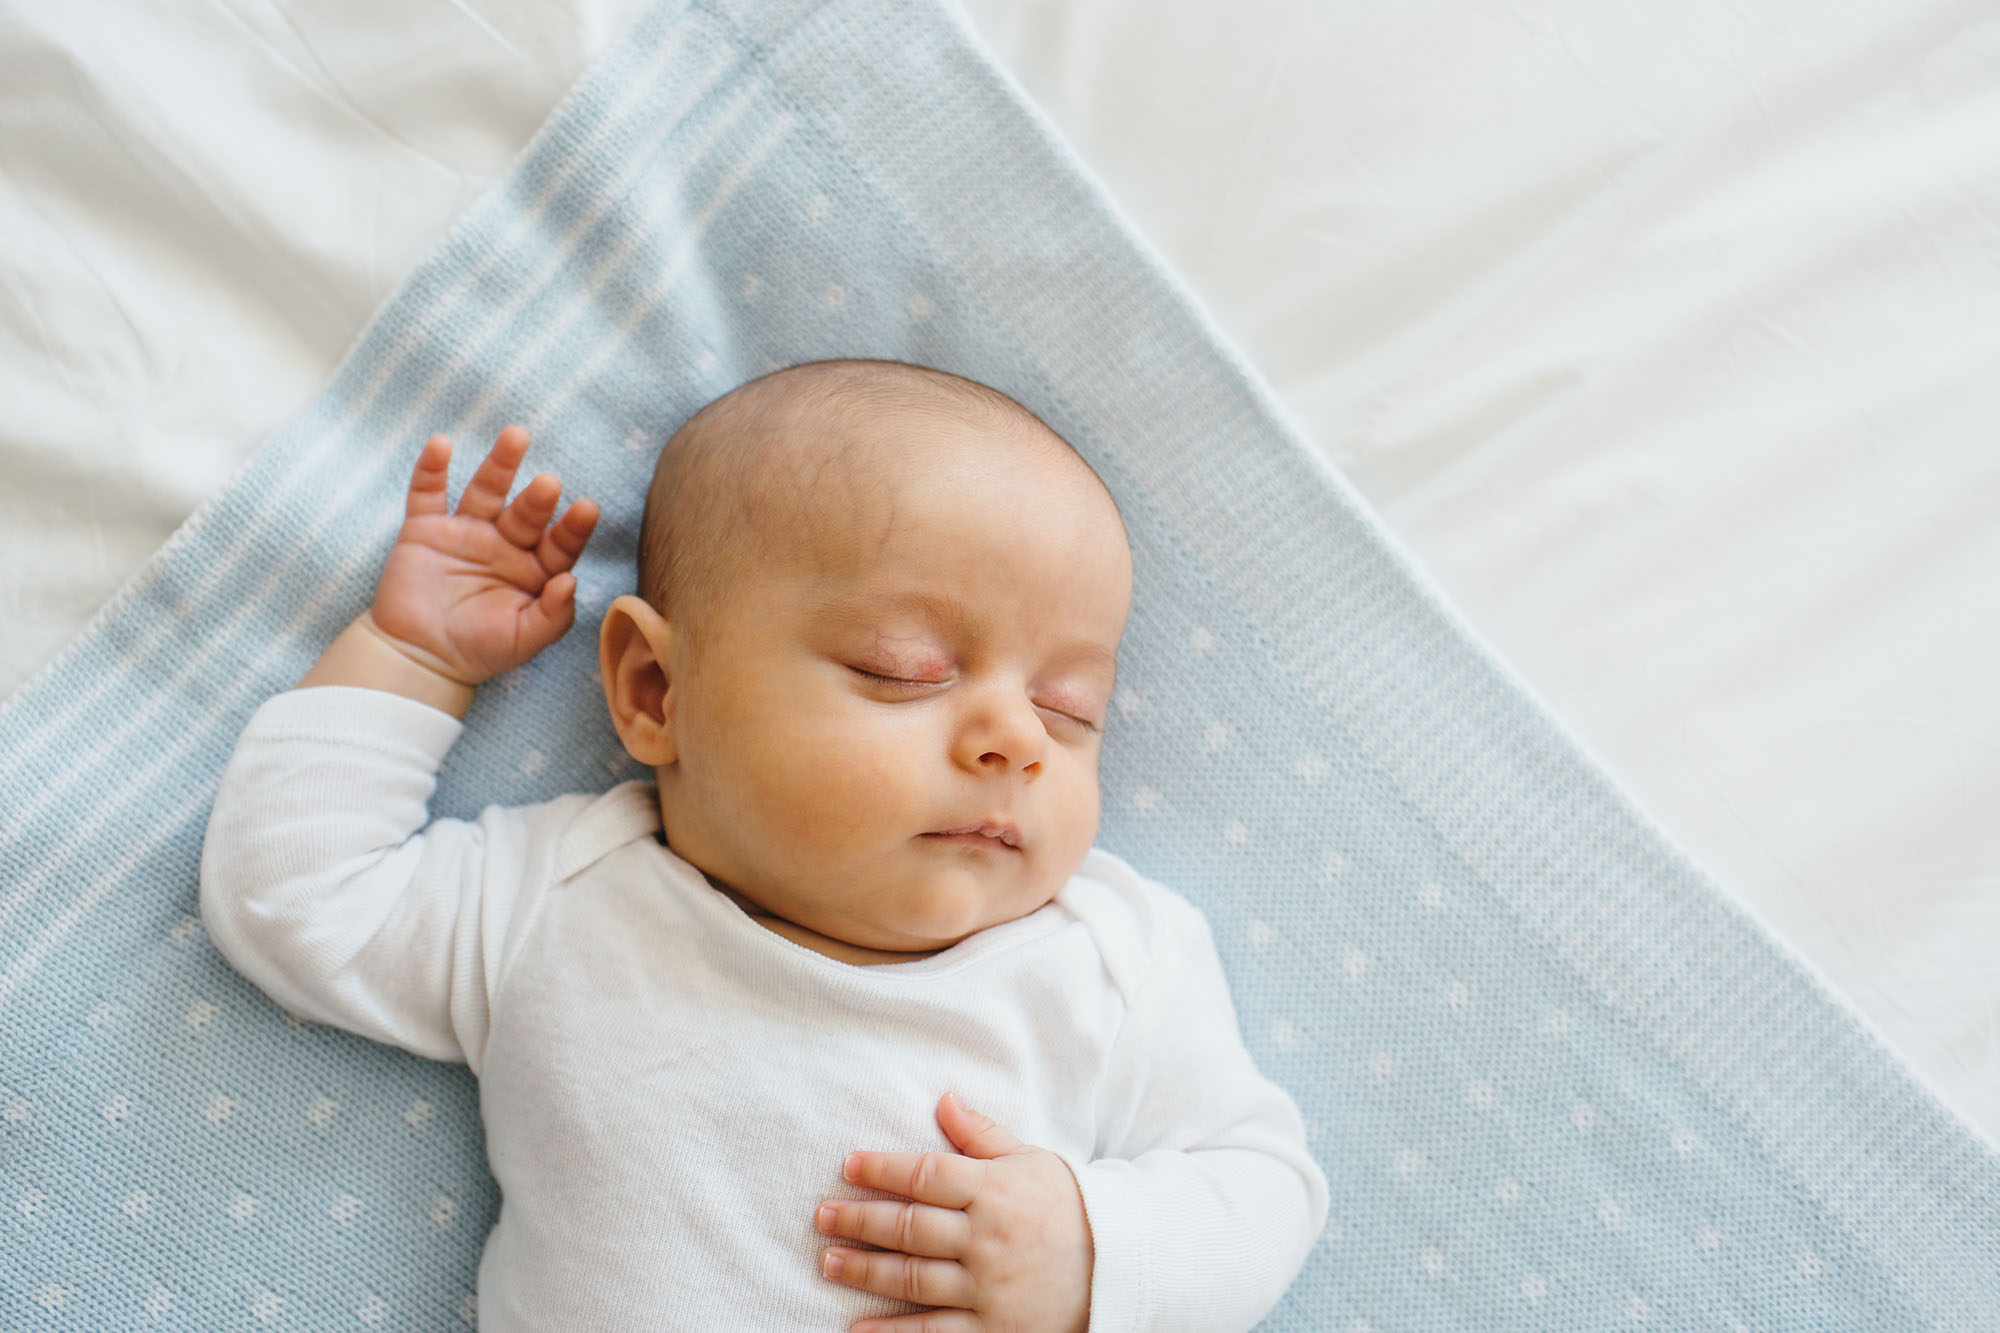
x=989 y=834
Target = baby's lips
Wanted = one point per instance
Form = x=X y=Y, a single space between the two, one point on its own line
x=991 y=828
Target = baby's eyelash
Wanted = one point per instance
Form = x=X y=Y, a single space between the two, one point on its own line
x=892 y=680
x=926 y=684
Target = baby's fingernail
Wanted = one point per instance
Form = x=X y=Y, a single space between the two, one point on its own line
x=832 y=1262
x=824 y=1217
x=851 y=1168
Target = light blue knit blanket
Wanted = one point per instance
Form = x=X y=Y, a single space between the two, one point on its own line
x=1556 y=1080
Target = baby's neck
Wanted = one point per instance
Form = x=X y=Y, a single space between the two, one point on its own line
x=841 y=950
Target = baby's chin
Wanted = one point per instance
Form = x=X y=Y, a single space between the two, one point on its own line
x=928 y=931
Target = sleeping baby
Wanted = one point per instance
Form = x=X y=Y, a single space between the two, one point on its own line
x=731 y=1026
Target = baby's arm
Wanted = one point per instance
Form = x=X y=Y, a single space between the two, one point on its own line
x=321 y=880
x=1203 y=1200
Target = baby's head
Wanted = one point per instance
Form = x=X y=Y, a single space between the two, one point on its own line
x=879 y=605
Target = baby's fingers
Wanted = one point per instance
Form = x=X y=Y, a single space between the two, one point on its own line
x=549 y=616
x=944 y=1179
x=913 y=1228
x=522 y=521
x=486 y=494
x=901 y=1276
x=930 y=1321
x=428 y=480
x=564 y=542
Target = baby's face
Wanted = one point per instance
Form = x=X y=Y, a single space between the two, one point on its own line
x=891 y=736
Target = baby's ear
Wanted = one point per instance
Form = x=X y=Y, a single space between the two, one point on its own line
x=634 y=646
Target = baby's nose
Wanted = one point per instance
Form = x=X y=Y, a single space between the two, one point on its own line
x=1004 y=735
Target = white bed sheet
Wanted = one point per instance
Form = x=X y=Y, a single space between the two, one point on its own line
x=1662 y=333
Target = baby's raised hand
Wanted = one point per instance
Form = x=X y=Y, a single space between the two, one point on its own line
x=473 y=593
x=996 y=1238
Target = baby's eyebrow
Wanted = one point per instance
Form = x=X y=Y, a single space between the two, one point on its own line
x=937 y=607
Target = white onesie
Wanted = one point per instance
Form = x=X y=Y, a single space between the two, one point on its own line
x=669 y=1088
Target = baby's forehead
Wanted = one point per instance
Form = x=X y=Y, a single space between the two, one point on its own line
x=833 y=467
x=827 y=468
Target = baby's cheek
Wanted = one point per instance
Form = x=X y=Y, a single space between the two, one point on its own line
x=836 y=789
x=1078 y=811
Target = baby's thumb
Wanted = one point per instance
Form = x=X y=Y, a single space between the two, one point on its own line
x=549 y=616
x=973 y=1133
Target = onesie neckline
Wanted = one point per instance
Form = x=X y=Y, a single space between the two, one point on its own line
x=1044 y=920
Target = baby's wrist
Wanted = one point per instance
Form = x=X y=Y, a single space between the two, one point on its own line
x=366 y=655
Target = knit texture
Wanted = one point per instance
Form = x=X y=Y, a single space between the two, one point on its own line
x=1555 y=1079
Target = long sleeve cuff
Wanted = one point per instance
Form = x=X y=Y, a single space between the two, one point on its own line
x=1120 y=1285
x=1193 y=1241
